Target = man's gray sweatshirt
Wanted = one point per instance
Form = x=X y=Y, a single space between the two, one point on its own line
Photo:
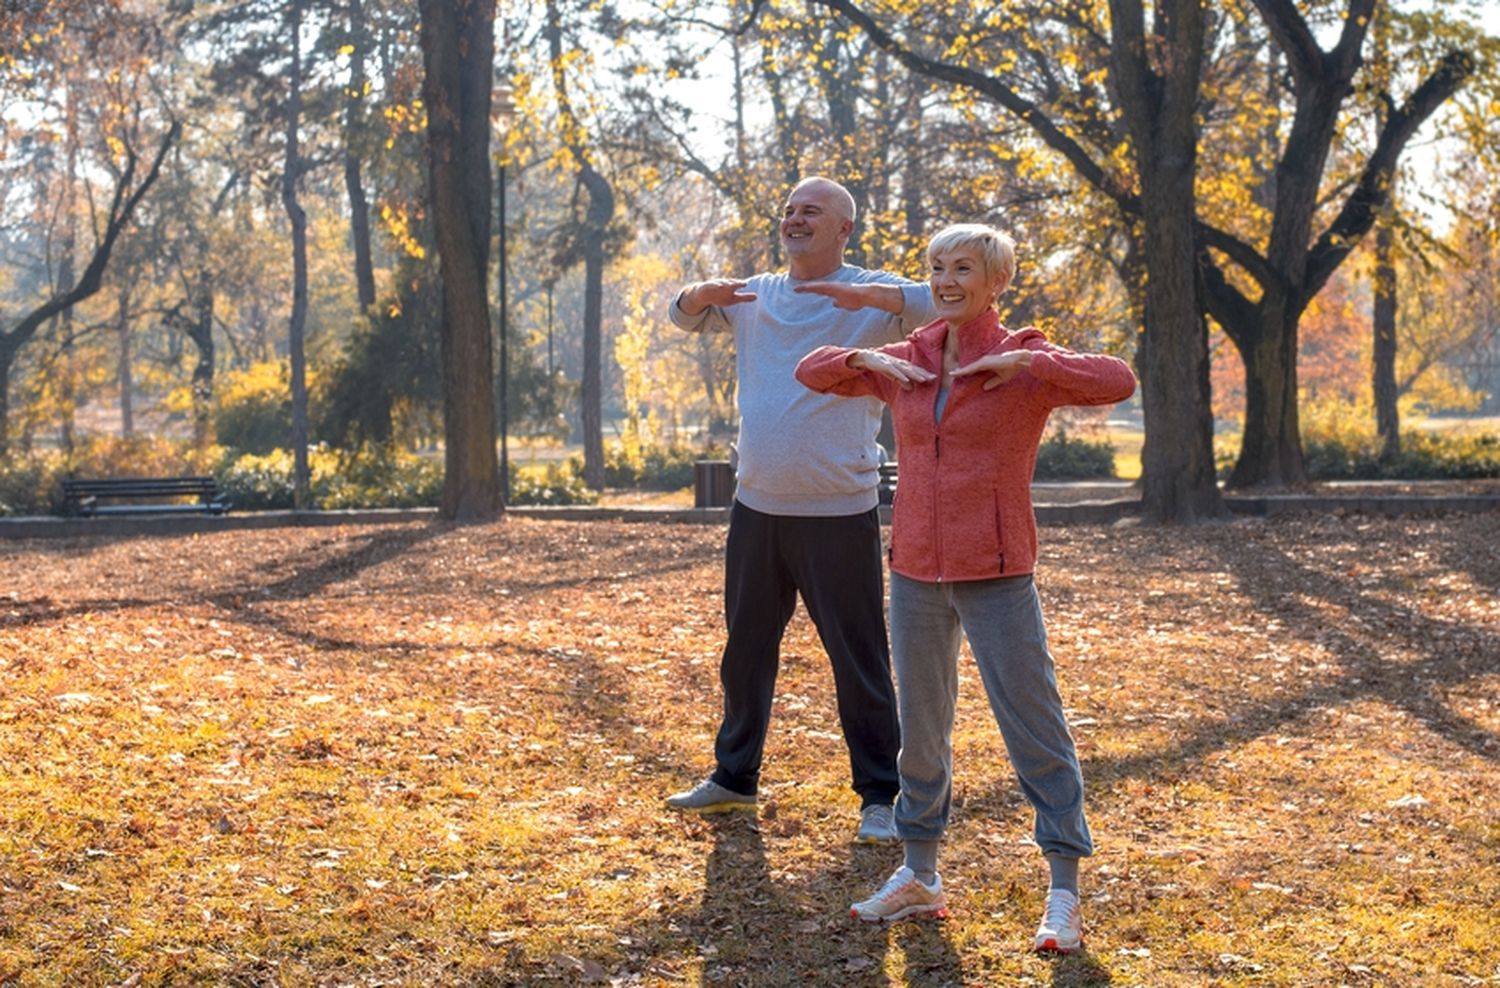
x=802 y=453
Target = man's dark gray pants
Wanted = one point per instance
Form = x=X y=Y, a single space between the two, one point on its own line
x=835 y=564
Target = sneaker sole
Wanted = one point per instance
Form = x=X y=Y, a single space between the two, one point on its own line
x=910 y=912
x=713 y=808
x=866 y=839
x=1049 y=946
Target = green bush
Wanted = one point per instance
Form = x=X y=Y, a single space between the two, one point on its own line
x=557 y=483
x=654 y=468
x=1423 y=456
x=377 y=478
x=253 y=408
x=368 y=478
x=1062 y=457
x=255 y=482
x=27 y=486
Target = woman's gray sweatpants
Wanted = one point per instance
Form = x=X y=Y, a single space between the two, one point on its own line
x=1002 y=619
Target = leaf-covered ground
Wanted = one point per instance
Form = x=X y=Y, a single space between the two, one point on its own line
x=418 y=754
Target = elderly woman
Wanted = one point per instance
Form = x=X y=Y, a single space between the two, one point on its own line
x=970 y=400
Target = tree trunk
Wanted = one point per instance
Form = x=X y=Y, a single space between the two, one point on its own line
x=1296 y=264
x=458 y=48
x=301 y=479
x=67 y=272
x=601 y=210
x=1265 y=332
x=593 y=370
x=788 y=146
x=1178 y=482
x=1385 y=390
x=200 y=329
x=1178 y=485
x=8 y=352
x=123 y=375
x=359 y=207
x=1387 y=418
x=834 y=71
x=1271 y=447
x=67 y=388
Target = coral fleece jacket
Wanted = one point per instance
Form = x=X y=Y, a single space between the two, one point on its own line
x=963 y=496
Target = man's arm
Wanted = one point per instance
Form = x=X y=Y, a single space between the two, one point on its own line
x=856 y=296
x=699 y=296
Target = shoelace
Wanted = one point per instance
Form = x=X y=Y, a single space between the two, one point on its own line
x=893 y=885
x=1060 y=911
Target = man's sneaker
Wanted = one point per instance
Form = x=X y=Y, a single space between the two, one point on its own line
x=710 y=797
x=902 y=896
x=1061 y=930
x=877 y=825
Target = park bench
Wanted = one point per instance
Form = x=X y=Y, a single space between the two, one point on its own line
x=84 y=497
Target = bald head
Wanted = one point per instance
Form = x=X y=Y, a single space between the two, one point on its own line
x=815 y=226
x=832 y=193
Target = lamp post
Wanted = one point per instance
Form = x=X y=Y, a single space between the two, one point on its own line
x=504 y=109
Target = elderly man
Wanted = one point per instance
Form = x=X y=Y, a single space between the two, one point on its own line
x=805 y=518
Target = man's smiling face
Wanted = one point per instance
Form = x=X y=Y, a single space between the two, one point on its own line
x=813 y=227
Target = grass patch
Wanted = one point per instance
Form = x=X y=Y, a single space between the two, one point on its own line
x=433 y=755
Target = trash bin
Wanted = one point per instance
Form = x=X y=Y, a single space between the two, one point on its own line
x=888 y=482
x=713 y=484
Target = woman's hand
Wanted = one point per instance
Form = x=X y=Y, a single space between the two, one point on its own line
x=1001 y=366
x=903 y=372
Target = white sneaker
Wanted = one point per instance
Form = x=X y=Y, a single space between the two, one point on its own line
x=902 y=896
x=710 y=797
x=877 y=825
x=1061 y=929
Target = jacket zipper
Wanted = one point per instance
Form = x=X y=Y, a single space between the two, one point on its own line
x=937 y=469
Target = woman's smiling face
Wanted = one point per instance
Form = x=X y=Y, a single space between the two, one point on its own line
x=961 y=287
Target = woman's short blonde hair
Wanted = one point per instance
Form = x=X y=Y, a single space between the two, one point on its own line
x=997 y=249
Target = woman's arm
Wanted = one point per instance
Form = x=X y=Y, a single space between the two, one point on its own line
x=851 y=372
x=1066 y=377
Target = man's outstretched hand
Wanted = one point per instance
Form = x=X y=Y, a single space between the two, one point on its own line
x=721 y=292
x=856 y=297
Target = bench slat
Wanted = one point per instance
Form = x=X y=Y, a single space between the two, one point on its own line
x=82 y=495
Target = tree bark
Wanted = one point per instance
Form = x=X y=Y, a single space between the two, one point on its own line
x=359 y=207
x=458 y=49
x=1178 y=484
x=1383 y=315
x=67 y=365
x=200 y=329
x=1271 y=445
x=291 y=172
x=601 y=207
x=597 y=216
x=122 y=365
x=1383 y=357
